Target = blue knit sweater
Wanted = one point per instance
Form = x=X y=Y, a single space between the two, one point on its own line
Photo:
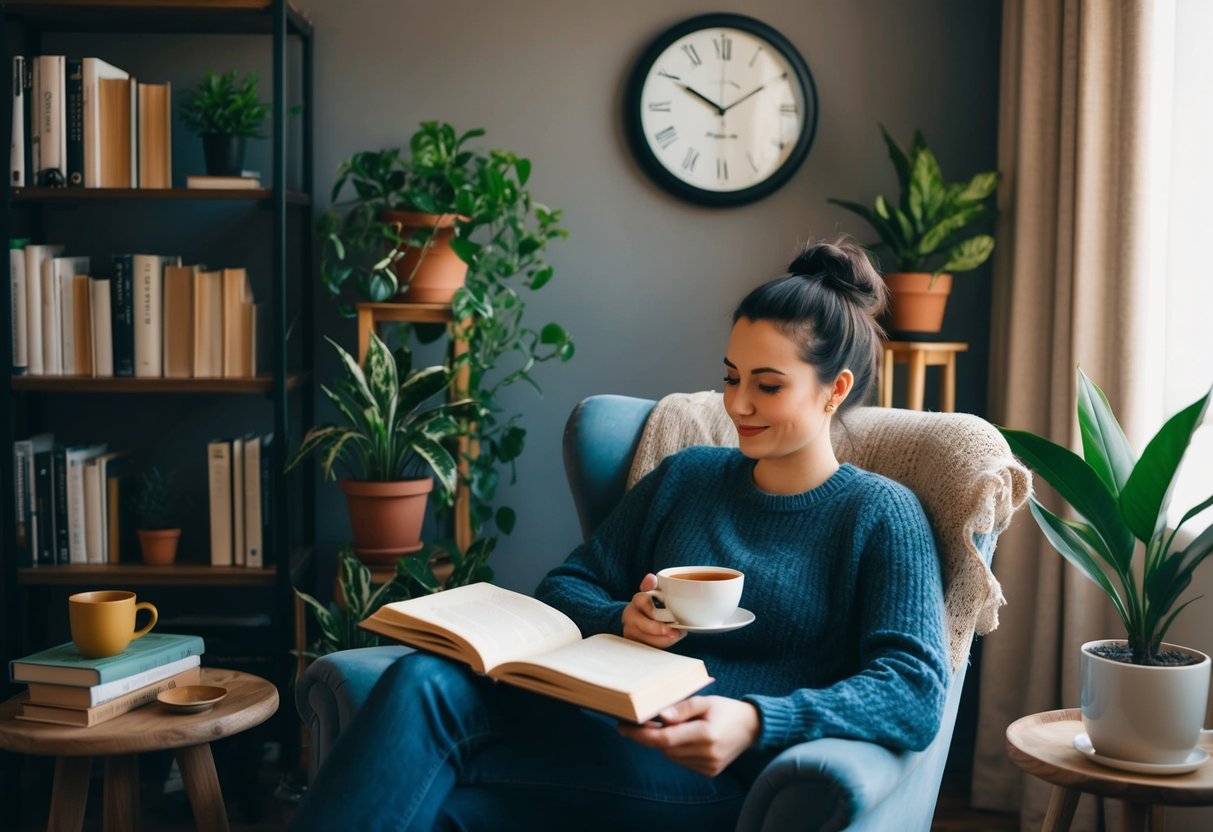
x=843 y=578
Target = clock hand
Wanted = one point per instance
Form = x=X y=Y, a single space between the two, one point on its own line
x=719 y=110
x=754 y=91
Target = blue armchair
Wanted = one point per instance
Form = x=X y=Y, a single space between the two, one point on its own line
x=826 y=784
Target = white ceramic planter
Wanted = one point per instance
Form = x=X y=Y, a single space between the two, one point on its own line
x=1143 y=714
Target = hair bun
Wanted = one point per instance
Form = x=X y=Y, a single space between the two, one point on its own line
x=845 y=268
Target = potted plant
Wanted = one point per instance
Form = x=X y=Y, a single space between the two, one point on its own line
x=500 y=236
x=155 y=503
x=395 y=234
x=387 y=442
x=224 y=110
x=1143 y=699
x=927 y=231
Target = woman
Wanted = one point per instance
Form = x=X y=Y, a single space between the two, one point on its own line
x=841 y=572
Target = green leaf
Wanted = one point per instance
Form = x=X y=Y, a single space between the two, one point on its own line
x=355 y=586
x=1104 y=444
x=422 y=385
x=884 y=229
x=524 y=171
x=978 y=188
x=1147 y=493
x=926 y=182
x=901 y=162
x=505 y=519
x=1079 y=485
x=381 y=377
x=465 y=249
x=1074 y=549
x=541 y=278
x=935 y=236
x=970 y=254
x=439 y=459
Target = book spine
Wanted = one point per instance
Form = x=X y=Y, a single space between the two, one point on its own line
x=34 y=111
x=102 y=330
x=33 y=309
x=142 y=663
x=16 y=270
x=75 y=124
x=52 y=337
x=219 y=481
x=149 y=315
x=252 y=503
x=113 y=708
x=17 y=147
x=51 y=109
x=44 y=507
x=62 y=529
x=122 y=315
x=22 y=451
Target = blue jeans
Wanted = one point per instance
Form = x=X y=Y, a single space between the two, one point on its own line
x=438 y=747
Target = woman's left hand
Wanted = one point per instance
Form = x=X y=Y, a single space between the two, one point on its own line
x=703 y=733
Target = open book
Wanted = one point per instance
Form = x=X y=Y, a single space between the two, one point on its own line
x=524 y=642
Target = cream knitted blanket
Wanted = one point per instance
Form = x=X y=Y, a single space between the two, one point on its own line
x=957 y=464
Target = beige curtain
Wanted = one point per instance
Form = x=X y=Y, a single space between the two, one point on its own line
x=1071 y=278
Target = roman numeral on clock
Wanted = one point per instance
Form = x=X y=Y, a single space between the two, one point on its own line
x=666 y=137
x=659 y=106
x=722 y=169
x=724 y=48
x=788 y=109
x=689 y=49
x=688 y=161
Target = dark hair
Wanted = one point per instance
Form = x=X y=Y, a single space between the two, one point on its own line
x=828 y=303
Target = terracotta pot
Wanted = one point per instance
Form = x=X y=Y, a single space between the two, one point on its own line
x=441 y=273
x=917 y=304
x=386 y=517
x=1143 y=714
x=158 y=546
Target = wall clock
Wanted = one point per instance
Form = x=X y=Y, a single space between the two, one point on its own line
x=721 y=109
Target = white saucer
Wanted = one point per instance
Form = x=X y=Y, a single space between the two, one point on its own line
x=1194 y=761
x=736 y=621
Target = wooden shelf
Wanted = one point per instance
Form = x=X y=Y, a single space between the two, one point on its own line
x=68 y=195
x=134 y=574
x=84 y=384
x=414 y=313
x=164 y=16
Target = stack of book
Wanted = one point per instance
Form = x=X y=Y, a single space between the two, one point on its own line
x=93 y=126
x=67 y=689
x=67 y=501
x=146 y=316
x=238 y=479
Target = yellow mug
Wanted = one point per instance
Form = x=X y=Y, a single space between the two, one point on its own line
x=103 y=622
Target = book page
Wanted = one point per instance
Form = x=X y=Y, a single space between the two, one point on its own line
x=613 y=663
x=500 y=624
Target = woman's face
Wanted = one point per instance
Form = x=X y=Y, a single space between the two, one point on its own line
x=773 y=395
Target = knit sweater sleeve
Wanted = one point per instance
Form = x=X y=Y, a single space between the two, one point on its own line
x=597 y=581
x=896 y=698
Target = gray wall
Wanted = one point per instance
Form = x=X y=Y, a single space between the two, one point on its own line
x=646 y=283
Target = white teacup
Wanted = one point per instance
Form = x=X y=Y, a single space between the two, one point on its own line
x=698 y=596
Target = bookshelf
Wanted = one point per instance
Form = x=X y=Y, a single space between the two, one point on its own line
x=271 y=228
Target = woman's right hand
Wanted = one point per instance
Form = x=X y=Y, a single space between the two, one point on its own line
x=639 y=623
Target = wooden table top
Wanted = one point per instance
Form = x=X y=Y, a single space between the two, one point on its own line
x=1043 y=745
x=250 y=701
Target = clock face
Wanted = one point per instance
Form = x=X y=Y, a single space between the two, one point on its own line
x=722 y=109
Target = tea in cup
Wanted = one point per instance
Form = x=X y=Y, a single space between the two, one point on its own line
x=698 y=596
x=103 y=622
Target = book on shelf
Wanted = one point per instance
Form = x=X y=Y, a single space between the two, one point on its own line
x=122 y=315
x=155 y=135
x=63 y=664
x=94 y=70
x=44 y=504
x=17 y=161
x=74 y=123
x=16 y=274
x=219 y=500
x=102 y=327
x=522 y=641
x=149 y=313
x=102 y=474
x=237 y=324
x=256 y=498
x=179 y=321
x=35 y=711
x=238 y=507
x=24 y=453
x=58 y=334
x=76 y=457
x=82 y=324
x=35 y=256
x=118 y=111
x=50 y=138
x=221 y=182
x=208 y=324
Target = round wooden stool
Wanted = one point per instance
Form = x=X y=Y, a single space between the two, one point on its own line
x=250 y=701
x=1043 y=746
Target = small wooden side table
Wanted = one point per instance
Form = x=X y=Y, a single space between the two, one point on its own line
x=1043 y=746
x=250 y=701
x=920 y=355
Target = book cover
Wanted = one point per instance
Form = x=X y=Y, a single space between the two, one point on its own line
x=208 y=324
x=219 y=492
x=62 y=529
x=179 y=321
x=76 y=459
x=149 y=314
x=25 y=453
x=65 y=715
x=17 y=146
x=63 y=664
x=234 y=182
x=51 y=111
x=122 y=315
x=155 y=135
x=16 y=273
x=35 y=256
x=102 y=327
x=72 y=696
x=82 y=324
x=522 y=641
x=252 y=502
x=117 y=110
x=237 y=347
x=44 y=505
x=95 y=69
x=75 y=123
x=63 y=351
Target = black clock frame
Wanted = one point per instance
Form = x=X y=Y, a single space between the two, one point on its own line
x=633 y=107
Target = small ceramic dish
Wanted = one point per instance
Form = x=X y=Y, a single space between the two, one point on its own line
x=191 y=699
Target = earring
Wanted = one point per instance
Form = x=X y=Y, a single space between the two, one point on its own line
x=830 y=407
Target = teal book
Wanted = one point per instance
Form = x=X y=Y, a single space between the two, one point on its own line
x=63 y=665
